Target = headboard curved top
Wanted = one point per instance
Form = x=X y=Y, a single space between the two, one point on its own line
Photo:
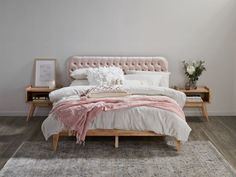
x=126 y=63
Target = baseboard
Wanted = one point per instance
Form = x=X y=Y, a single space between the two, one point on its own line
x=22 y=113
x=188 y=113
x=211 y=113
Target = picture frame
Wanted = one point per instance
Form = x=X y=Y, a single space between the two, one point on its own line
x=45 y=72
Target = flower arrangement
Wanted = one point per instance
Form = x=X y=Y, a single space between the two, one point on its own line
x=193 y=70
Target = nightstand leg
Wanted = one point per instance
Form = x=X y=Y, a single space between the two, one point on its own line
x=204 y=111
x=31 y=111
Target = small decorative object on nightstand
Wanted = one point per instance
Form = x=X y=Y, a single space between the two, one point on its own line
x=193 y=70
x=197 y=98
x=45 y=72
x=38 y=97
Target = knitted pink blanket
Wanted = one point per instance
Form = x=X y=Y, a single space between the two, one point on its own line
x=77 y=115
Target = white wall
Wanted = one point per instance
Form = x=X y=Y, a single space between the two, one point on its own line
x=234 y=105
x=177 y=30
x=234 y=74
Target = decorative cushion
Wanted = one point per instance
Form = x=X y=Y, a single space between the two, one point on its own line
x=105 y=76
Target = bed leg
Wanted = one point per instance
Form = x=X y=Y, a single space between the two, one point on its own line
x=116 y=141
x=55 y=139
x=178 y=145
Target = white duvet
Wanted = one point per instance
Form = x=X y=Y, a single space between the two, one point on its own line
x=138 y=118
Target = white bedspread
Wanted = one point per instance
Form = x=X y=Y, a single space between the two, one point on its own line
x=139 y=118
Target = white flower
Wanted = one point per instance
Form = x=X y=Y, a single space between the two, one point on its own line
x=190 y=69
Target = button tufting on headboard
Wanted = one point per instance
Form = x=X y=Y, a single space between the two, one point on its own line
x=126 y=63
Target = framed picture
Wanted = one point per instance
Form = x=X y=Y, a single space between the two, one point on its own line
x=45 y=72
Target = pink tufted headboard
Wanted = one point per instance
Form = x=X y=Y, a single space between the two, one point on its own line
x=126 y=63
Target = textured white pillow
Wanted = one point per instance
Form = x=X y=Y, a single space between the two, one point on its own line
x=105 y=76
x=145 y=79
x=79 y=74
x=165 y=76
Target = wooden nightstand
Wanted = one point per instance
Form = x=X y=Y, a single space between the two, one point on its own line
x=37 y=97
x=197 y=98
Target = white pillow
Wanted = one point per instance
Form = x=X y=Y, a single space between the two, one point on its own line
x=145 y=79
x=165 y=76
x=105 y=76
x=79 y=74
x=79 y=82
x=128 y=82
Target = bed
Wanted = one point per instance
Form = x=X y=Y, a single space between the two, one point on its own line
x=137 y=121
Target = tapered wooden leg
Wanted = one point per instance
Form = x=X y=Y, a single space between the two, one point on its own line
x=31 y=112
x=116 y=141
x=204 y=111
x=55 y=139
x=178 y=145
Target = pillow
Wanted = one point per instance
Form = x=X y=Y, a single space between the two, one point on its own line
x=79 y=74
x=165 y=76
x=136 y=83
x=79 y=82
x=145 y=79
x=105 y=76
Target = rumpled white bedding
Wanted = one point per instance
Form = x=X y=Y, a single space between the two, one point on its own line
x=138 y=118
x=65 y=92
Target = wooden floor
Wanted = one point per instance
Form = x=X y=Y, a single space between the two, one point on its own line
x=221 y=131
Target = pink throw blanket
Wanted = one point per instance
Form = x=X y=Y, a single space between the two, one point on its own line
x=77 y=115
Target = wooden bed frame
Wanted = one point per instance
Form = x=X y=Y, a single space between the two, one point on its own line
x=158 y=64
x=109 y=132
